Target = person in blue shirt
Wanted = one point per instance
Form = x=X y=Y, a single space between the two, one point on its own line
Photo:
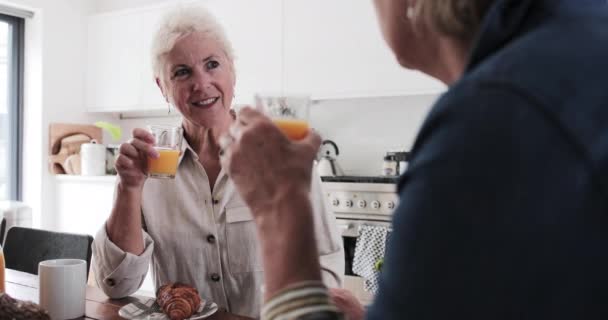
x=503 y=210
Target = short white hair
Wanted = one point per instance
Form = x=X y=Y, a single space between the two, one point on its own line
x=181 y=21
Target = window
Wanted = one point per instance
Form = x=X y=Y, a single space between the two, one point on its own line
x=11 y=74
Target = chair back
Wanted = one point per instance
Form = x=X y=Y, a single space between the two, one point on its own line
x=24 y=248
x=2 y=231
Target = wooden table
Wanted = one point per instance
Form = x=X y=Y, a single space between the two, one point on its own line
x=24 y=286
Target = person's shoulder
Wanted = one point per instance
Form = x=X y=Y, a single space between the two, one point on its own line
x=483 y=97
x=479 y=111
x=562 y=52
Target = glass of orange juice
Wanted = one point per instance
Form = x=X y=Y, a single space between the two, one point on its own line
x=289 y=112
x=168 y=143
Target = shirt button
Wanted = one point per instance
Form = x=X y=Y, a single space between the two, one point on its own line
x=216 y=201
x=110 y=282
x=211 y=239
x=215 y=277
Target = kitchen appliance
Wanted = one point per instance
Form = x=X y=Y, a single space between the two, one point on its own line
x=401 y=159
x=327 y=165
x=359 y=201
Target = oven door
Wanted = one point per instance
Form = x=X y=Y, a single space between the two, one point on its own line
x=350 y=233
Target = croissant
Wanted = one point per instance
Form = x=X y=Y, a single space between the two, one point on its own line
x=178 y=301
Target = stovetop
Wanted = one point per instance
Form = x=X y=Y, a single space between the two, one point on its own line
x=361 y=179
x=361 y=197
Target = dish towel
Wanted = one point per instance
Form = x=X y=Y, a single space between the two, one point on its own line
x=369 y=250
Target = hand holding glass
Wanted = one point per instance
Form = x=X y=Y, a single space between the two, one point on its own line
x=289 y=113
x=169 y=145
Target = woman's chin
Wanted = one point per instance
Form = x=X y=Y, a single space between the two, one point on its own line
x=209 y=117
x=406 y=63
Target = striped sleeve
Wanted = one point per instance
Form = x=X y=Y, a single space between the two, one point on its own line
x=302 y=301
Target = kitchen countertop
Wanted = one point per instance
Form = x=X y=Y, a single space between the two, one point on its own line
x=361 y=179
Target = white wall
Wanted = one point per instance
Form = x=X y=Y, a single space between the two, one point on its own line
x=365 y=129
x=54 y=89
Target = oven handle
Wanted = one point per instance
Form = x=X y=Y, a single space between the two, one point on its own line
x=349 y=230
x=353 y=229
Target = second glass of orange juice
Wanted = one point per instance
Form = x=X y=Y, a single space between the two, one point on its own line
x=289 y=112
x=168 y=143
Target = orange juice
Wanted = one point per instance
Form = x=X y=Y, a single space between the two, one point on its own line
x=295 y=129
x=165 y=166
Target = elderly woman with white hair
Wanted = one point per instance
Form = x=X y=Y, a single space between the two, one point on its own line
x=194 y=229
x=503 y=210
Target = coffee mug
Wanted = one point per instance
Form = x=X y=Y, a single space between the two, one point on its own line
x=93 y=159
x=63 y=284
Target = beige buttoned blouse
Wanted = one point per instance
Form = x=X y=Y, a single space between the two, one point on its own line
x=205 y=239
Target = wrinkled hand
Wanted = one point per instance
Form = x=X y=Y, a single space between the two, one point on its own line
x=132 y=161
x=263 y=162
x=347 y=303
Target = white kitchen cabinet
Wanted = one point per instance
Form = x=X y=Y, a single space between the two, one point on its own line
x=150 y=95
x=334 y=49
x=83 y=204
x=113 y=62
x=122 y=80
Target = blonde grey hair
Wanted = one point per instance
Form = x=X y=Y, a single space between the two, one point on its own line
x=182 y=21
x=460 y=19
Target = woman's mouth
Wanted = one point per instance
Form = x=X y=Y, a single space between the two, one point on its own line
x=205 y=103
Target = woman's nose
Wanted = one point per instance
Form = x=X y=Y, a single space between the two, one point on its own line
x=200 y=80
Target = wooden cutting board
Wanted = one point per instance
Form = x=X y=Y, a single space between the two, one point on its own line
x=65 y=140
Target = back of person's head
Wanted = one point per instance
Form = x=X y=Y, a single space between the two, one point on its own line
x=182 y=21
x=459 y=19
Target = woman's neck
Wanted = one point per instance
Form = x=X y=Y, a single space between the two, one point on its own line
x=449 y=63
x=204 y=140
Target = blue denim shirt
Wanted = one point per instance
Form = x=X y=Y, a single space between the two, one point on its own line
x=504 y=208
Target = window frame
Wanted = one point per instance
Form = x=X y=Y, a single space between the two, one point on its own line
x=15 y=103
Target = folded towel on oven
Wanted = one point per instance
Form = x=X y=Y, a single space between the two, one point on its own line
x=369 y=249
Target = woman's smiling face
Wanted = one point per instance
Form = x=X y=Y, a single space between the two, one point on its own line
x=198 y=79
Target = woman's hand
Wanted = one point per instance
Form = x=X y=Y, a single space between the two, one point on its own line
x=263 y=163
x=132 y=161
x=347 y=303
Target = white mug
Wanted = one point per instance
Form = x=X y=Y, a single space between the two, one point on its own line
x=92 y=159
x=63 y=285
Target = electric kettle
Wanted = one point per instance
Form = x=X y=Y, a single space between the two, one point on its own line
x=327 y=164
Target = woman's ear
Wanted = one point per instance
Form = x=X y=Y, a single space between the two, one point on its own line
x=161 y=88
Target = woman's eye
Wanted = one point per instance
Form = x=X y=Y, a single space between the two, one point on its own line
x=212 y=64
x=180 y=73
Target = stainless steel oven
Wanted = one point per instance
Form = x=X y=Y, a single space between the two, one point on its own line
x=356 y=202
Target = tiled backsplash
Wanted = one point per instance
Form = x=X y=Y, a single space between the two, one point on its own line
x=364 y=129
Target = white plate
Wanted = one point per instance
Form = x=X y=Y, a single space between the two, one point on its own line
x=149 y=310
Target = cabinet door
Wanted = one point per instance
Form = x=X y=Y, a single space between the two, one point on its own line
x=334 y=49
x=151 y=97
x=82 y=204
x=113 y=52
